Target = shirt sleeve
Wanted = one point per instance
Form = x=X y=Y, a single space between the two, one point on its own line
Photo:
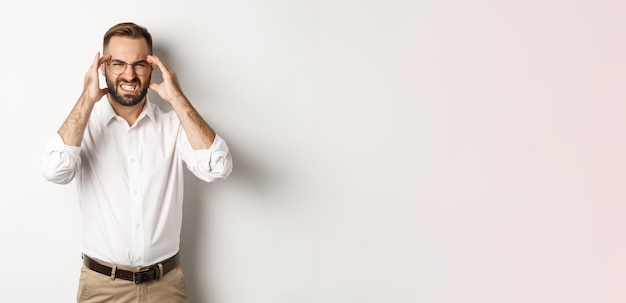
x=210 y=164
x=59 y=162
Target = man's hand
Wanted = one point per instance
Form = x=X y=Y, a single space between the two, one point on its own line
x=169 y=90
x=91 y=89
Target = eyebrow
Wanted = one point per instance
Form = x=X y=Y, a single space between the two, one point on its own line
x=136 y=62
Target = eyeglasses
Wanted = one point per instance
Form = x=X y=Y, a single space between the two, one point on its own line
x=118 y=67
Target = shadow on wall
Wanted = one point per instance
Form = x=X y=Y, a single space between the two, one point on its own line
x=194 y=236
x=248 y=173
x=194 y=216
x=159 y=51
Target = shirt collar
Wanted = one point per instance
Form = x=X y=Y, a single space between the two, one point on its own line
x=108 y=113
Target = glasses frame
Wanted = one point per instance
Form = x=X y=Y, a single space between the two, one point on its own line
x=133 y=66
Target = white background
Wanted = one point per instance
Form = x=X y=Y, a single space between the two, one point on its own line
x=384 y=151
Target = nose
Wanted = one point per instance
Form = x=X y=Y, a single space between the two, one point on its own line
x=129 y=70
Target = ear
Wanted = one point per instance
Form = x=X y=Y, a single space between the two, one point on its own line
x=102 y=69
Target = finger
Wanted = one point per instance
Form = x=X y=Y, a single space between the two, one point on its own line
x=96 y=59
x=152 y=59
x=104 y=59
x=154 y=86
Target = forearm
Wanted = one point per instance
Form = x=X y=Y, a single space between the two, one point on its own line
x=199 y=133
x=73 y=128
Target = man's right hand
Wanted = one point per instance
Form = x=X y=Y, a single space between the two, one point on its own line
x=91 y=89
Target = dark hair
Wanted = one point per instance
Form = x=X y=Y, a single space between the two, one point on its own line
x=127 y=29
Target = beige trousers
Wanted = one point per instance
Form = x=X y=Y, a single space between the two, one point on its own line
x=95 y=287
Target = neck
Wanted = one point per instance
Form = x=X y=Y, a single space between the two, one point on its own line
x=128 y=113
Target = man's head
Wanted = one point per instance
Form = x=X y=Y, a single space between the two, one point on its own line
x=128 y=73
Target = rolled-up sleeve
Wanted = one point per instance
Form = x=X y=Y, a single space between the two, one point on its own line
x=59 y=162
x=210 y=164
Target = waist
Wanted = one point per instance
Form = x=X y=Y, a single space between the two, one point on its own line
x=110 y=241
x=138 y=274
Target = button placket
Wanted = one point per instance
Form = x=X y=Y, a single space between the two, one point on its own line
x=136 y=203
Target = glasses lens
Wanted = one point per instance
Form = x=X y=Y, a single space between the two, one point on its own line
x=140 y=68
x=117 y=67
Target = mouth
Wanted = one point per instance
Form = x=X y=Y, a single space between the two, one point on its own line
x=129 y=88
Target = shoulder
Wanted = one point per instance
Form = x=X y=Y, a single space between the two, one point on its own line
x=164 y=116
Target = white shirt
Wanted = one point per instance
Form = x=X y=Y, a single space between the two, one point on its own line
x=130 y=181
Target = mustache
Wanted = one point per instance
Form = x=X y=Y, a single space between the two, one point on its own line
x=134 y=81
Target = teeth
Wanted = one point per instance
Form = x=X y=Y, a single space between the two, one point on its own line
x=128 y=87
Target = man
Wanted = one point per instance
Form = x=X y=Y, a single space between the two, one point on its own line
x=126 y=156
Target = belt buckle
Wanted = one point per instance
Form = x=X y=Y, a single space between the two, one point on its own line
x=138 y=274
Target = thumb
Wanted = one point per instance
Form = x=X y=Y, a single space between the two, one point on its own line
x=154 y=86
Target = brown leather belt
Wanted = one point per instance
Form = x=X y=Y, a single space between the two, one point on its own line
x=149 y=273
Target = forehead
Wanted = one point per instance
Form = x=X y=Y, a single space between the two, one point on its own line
x=127 y=49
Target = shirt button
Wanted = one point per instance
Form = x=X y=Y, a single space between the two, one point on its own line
x=135 y=191
x=137 y=225
x=132 y=160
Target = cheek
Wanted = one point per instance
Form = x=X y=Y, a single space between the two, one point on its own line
x=145 y=81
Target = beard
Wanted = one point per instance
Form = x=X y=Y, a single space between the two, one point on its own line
x=127 y=99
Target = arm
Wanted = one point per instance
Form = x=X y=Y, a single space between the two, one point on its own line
x=72 y=130
x=199 y=133
x=209 y=157
x=60 y=159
